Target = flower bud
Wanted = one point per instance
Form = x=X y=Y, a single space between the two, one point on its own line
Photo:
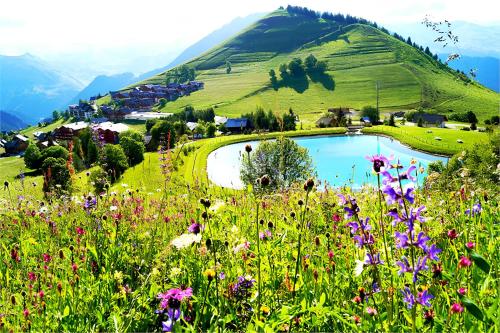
x=265 y=180
x=308 y=185
x=248 y=148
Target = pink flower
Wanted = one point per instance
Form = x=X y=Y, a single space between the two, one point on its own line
x=330 y=254
x=74 y=267
x=371 y=311
x=470 y=245
x=41 y=294
x=80 y=231
x=26 y=313
x=336 y=218
x=464 y=262
x=462 y=291
x=46 y=257
x=457 y=308
x=32 y=276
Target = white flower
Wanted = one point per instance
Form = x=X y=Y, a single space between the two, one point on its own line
x=185 y=240
x=124 y=185
x=234 y=229
x=113 y=208
x=359 y=268
x=175 y=272
x=218 y=204
x=44 y=209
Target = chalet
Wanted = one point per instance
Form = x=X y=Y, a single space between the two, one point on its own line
x=399 y=114
x=40 y=136
x=82 y=110
x=220 y=120
x=17 y=145
x=238 y=125
x=45 y=144
x=2 y=143
x=430 y=120
x=110 y=132
x=68 y=131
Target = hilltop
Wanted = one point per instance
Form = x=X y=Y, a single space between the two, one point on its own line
x=358 y=55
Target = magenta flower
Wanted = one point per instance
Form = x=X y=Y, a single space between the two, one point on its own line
x=195 y=228
x=462 y=291
x=464 y=262
x=457 y=308
x=470 y=245
x=174 y=296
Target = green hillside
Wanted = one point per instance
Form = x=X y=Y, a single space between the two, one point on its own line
x=357 y=55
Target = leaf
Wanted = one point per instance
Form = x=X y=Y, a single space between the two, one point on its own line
x=481 y=262
x=472 y=308
x=322 y=299
x=66 y=311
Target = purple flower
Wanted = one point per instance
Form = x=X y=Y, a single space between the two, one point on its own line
x=379 y=161
x=432 y=252
x=408 y=174
x=401 y=240
x=408 y=297
x=419 y=267
x=388 y=178
x=476 y=210
x=422 y=238
x=241 y=289
x=394 y=194
x=195 y=228
x=222 y=276
x=350 y=206
x=173 y=316
x=373 y=260
x=424 y=297
x=173 y=297
x=364 y=239
x=265 y=235
x=404 y=266
x=363 y=224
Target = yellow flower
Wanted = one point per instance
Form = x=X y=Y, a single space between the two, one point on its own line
x=210 y=274
x=265 y=309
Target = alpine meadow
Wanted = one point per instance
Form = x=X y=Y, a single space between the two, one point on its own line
x=314 y=172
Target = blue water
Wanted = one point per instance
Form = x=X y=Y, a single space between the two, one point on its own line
x=338 y=160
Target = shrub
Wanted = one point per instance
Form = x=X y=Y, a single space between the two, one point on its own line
x=133 y=149
x=372 y=113
x=99 y=179
x=33 y=157
x=283 y=160
x=56 y=175
x=210 y=130
x=55 y=152
x=114 y=161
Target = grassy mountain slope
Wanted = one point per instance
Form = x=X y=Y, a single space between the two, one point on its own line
x=358 y=56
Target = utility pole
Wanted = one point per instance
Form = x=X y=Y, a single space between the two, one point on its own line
x=377 y=87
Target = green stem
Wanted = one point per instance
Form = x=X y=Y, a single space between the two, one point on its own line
x=258 y=263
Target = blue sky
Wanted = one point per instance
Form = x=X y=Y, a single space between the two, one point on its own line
x=55 y=26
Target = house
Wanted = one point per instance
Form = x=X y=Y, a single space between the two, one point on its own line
x=110 y=132
x=340 y=112
x=220 y=120
x=365 y=121
x=325 y=121
x=45 y=144
x=82 y=110
x=430 y=120
x=2 y=143
x=17 y=145
x=191 y=125
x=238 y=125
x=399 y=114
x=40 y=136
x=68 y=131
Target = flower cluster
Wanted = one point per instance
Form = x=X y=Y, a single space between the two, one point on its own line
x=241 y=289
x=170 y=304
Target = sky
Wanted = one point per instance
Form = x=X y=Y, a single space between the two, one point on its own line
x=84 y=26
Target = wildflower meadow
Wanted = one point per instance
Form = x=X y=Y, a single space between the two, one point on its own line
x=194 y=258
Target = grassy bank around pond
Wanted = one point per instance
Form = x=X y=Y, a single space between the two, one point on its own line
x=425 y=139
x=195 y=167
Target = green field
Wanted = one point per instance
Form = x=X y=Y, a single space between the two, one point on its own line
x=358 y=57
x=425 y=138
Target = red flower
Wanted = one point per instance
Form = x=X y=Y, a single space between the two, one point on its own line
x=336 y=217
x=452 y=234
x=26 y=313
x=32 y=276
x=46 y=257
x=80 y=231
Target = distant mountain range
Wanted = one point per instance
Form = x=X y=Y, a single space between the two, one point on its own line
x=31 y=89
x=9 y=122
x=488 y=69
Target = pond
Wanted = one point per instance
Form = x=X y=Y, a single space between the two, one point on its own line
x=338 y=160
